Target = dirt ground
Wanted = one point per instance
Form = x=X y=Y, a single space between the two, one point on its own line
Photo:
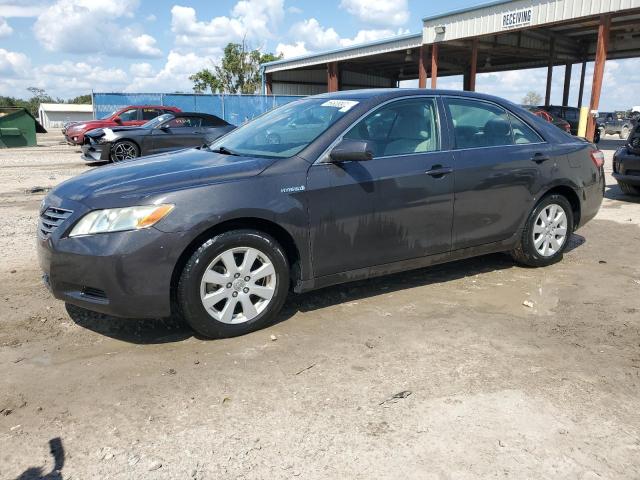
x=484 y=386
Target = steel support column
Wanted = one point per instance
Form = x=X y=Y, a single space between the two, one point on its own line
x=422 y=66
x=434 y=65
x=333 y=74
x=581 y=91
x=598 y=71
x=567 y=84
x=268 y=82
x=552 y=54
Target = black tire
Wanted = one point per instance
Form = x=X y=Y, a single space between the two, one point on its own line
x=189 y=284
x=124 y=145
x=624 y=133
x=525 y=253
x=629 y=189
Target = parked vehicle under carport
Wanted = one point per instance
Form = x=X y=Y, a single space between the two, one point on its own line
x=165 y=133
x=626 y=164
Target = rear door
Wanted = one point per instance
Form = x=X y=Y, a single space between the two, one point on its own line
x=397 y=206
x=499 y=161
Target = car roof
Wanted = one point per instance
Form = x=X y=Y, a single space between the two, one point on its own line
x=384 y=93
x=161 y=107
x=196 y=114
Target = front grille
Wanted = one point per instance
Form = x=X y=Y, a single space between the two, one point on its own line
x=51 y=219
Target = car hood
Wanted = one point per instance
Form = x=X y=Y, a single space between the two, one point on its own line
x=122 y=183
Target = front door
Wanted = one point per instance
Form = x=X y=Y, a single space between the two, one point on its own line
x=499 y=160
x=179 y=132
x=397 y=206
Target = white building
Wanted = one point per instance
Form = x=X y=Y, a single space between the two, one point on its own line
x=55 y=115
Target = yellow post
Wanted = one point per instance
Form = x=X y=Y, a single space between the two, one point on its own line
x=584 y=118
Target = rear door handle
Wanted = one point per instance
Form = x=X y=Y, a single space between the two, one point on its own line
x=438 y=171
x=540 y=157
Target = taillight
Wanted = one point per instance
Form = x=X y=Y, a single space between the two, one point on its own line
x=597 y=157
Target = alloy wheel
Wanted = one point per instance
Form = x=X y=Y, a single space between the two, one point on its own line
x=123 y=151
x=238 y=285
x=550 y=230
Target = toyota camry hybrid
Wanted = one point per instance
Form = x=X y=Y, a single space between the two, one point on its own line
x=356 y=184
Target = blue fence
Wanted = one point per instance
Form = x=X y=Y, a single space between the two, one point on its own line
x=235 y=109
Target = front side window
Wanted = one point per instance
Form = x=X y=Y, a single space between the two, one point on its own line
x=400 y=128
x=184 y=122
x=285 y=131
x=478 y=124
x=129 y=115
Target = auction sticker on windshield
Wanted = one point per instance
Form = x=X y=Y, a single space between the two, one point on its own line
x=343 y=105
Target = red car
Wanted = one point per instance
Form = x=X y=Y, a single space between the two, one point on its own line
x=128 y=116
x=561 y=123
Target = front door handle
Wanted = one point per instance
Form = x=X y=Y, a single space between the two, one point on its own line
x=438 y=171
x=540 y=157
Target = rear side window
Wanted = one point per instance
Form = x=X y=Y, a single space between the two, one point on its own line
x=523 y=133
x=150 y=113
x=478 y=124
x=400 y=128
x=213 y=122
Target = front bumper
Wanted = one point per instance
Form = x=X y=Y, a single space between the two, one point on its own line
x=96 y=152
x=626 y=167
x=124 y=274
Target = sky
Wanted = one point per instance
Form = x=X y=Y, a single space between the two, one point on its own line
x=71 y=47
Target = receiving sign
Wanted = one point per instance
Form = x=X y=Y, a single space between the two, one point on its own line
x=517 y=18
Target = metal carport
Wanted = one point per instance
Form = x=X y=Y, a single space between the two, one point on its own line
x=493 y=37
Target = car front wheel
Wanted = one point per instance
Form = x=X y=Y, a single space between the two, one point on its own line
x=624 y=133
x=124 y=150
x=546 y=233
x=234 y=283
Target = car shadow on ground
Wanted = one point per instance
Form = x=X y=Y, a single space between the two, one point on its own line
x=36 y=473
x=613 y=192
x=174 y=329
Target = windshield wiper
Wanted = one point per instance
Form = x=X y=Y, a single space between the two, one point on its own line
x=225 y=151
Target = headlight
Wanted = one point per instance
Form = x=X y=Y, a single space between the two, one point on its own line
x=120 y=219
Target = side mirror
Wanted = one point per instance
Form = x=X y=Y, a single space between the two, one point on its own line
x=164 y=126
x=351 y=151
x=118 y=120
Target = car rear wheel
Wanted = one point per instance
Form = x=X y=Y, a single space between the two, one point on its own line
x=235 y=283
x=624 y=133
x=629 y=189
x=124 y=150
x=546 y=233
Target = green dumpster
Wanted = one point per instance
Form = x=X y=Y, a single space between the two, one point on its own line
x=18 y=128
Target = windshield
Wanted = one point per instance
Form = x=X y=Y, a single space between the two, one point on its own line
x=285 y=131
x=157 y=121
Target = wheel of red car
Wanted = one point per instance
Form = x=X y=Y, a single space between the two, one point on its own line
x=124 y=150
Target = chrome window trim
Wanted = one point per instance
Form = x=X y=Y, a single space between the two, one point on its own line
x=323 y=157
x=509 y=112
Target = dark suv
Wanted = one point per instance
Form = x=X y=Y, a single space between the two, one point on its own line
x=384 y=181
x=626 y=164
x=611 y=124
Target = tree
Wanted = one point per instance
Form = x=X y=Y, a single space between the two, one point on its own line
x=532 y=98
x=81 y=99
x=237 y=72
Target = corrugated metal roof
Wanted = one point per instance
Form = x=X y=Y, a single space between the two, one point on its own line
x=489 y=18
x=66 y=107
x=399 y=42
